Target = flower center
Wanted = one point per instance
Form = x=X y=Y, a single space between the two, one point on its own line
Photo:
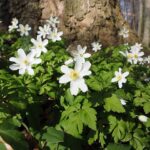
x=135 y=56
x=40 y=46
x=74 y=75
x=26 y=62
x=129 y=56
x=119 y=77
x=54 y=34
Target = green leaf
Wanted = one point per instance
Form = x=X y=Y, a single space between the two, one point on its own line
x=147 y=107
x=69 y=98
x=102 y=139
x=2 y=146
x=117 y=128
x=94 y=84
x=113 y=104
x=53 y=136
x=14 y=138
x=118 y=147
x=88 y=116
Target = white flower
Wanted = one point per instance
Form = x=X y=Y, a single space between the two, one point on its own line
x=44 y=31
x=80 y=54
x=53 y=21
x=96 y=46
x=55 y=35
x=75 y=76
x=24 y=62
x=124 y=32
x=123 y=102
x=69 y=61
x=14 y=25
x=39 y=46
x=128 y=55
x=142 y=118
x=137 y=56
x=120 y=77
x=1 y=21
x=24 y=30
x=136 y=47
x=147 y=59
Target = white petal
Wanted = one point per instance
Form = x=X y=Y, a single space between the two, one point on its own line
x=81 y=59
x=65 y=69
x=122 y=53
x=124 y=80
x=22 y=71
x=143 y=118
x=114 y=79
x=30 y=71
x=86 y=55
x=13 y=59
x=85 y=69
x=14 y=67
x=37 y=61
x=21 y=53
x=69 y=61
x=74 y=89
x=45 y=42
x=44 y=50
x=64 y=79
x=125 y=74
x=120 y=70
x=116 y=73
x=78 y=65
x=120 y=84
x=82 y=85
x=33 y=41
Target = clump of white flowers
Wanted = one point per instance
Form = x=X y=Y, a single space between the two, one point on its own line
x=124 y=32
x=81 y=69
x=24 y=62
x=134 y=55
x=120 y=77
x=50 y=30
x=23 y=29
x=96 y=46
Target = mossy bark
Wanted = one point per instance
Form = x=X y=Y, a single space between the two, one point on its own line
x=82 y=21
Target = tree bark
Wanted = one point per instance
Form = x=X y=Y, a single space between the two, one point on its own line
x=146 y=23
x=82 y=21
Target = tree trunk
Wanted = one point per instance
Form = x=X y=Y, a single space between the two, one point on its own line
x=137 y=13
x=82 y=21
x=146 y=23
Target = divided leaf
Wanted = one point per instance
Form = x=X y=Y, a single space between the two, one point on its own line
x=113 y=104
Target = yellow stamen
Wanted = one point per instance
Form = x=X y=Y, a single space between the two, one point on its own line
x=119 y=77
x=135 y=56
x=129 y=56
x=26 y=62
x=74 y=75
